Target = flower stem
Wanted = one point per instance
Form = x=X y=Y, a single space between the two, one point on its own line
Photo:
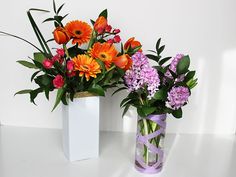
x=66 y=50
x=146 y=153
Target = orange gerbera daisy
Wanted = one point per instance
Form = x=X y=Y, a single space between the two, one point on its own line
x=86 y=66
x=105 y=52
x=79 y=31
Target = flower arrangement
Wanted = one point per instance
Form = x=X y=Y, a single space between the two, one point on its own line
x=156 y=91
x=86 y=58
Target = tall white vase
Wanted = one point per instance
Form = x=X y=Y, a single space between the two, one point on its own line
x=81 y=128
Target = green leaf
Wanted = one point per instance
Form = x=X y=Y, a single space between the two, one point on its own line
x=125 y=110
x=22 y=39
x=102 y=65
x=140 y=112
x=49 y=40
x=23 y=92
x=103 y=13
x=92 y=21
x=119 y=89
x=43 y=81
x=148 y=110
x=46 y=91
x=59 y=9
x=152 y=57
x=64 y=16
x=34 y=93
x=60 y=93
x=158 y=44
x=97 y=89
x=38 y=34
x=152 y=51
x=39 y=57
x=164 y=60
x=160 y=69
x=122 y=48
x=124 y=101
x=48 y=19
x=160 y=49
x=27 y=64
x=192 y=83
x=161 y=94
x=33 y=76
x=38 y=64
x=183 y=65
x=54 y=6
x=74 y=51
x=189 y=75
x=64 y=99
x=39 y=10
x=177 y=113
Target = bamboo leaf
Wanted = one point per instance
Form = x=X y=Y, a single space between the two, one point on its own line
x=12 y=35
x=39 y=35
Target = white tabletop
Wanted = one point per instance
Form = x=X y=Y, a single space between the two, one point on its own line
x=35 y=152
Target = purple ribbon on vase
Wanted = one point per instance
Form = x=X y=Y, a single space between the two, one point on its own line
x=145 y=140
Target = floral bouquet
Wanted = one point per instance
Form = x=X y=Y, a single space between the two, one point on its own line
x=85 y=60
x=156 y=91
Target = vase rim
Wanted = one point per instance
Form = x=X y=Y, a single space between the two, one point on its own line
x=84 y=94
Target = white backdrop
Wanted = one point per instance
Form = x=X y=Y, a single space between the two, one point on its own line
x=204 y=29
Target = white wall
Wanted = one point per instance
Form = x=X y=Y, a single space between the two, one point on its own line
x=205 y=29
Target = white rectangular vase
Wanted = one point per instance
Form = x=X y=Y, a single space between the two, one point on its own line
x=81 y=128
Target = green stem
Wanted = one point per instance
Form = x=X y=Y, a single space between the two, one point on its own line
x=91 y=40
x=146 y=153
x=66 y=50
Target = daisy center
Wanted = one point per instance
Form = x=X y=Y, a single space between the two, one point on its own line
x=103 y=56
x=85 y=67
x=78 y=32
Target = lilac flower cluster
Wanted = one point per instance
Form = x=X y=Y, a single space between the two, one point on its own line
x=172 y=67
x=177 y=97
x=142 y=75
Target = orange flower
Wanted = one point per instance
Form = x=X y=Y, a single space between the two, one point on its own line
x=131 y=43
x=60 y=35
x=100 y=24
x=79 y=31
x=105 y=52
x=124 y=61
x=86 y=66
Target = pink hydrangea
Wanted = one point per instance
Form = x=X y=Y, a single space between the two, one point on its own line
x=142 y=75
x=177 y=97
x=173 y=66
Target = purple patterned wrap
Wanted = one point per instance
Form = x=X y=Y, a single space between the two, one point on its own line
x=145 y=140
